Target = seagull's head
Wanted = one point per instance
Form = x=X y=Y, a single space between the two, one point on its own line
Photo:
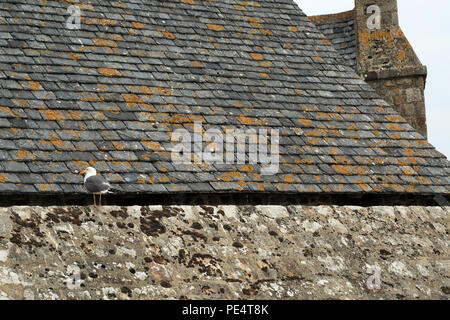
x=89 y=172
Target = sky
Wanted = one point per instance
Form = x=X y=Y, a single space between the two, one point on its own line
x=427 y=27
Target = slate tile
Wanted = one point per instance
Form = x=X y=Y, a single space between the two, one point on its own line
x=14 y=166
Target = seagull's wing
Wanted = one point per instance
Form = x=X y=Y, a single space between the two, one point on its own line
x=97 y=184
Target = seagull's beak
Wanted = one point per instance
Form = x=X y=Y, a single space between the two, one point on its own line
x=82 y=172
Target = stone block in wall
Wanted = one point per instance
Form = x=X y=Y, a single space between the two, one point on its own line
x=414 y=95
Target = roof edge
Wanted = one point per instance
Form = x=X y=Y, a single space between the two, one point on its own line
x=333 y=17
x=225 y=198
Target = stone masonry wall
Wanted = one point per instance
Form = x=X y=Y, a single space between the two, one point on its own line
x=389 y=64
x=223 y=252
x=406 y=96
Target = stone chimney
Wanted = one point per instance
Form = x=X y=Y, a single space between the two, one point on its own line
x=386 y=60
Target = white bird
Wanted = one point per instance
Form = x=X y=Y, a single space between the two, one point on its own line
x=95 y=184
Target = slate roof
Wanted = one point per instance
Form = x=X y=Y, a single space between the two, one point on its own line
x=109 y=95
x=340 y=31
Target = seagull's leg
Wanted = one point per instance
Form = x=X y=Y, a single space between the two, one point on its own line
x=100 y=199
x=94 y=199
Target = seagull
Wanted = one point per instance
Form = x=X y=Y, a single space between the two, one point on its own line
x=95 y=184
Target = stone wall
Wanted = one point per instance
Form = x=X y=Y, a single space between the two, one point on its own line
x=406 y=95
x=389 y=64
x=223 y=252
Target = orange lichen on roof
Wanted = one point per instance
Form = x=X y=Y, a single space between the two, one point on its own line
x=315 y=56
x=395 y=118
x=314 y=141
x=265 y=64
x=230 y=176
x=81 y=165
x=408 y=161
x=132 y=88
x=247 y=168
x=112 y=109
x=323 y=116
x=74 y=56
x=394 y=127
x=104 y=42
x=140 y=53
x=167 y=34
x=118 y=145
x=349 y=170
x=102 y=87
x=250 y=3
x=411 y=189
x=215 y=27
x=8 y=110
x=318 y=132
x=23 y=154
x=249 y=121
x=52 y=114
x=184 y=118
x=103 y=22
x=238 y=7
x=188 y=1
x=256 y=56
x=3 y=178
x=74 y=133
x=137 y=25
x=85 y=6
x=324 y=40
x=265 y=75
x=92 y=97
x=407 y=172
x=293 y=29
x=305 y=122
x=86 y=48
x=255 y=22
x=120 y=5
x=338 y=188
x=197 y=64
x=164 y=91
x=146 y=90
x=126 y=163
x=343 y=159
x=395 y=136
x=152 y=145
x=34 y=85
x=316 y=19
x=297 y=91
x=143 y=180
x=109 y=72
x=289 y=178
x=44 y=187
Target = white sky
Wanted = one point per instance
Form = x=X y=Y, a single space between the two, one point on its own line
x=427 y=27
